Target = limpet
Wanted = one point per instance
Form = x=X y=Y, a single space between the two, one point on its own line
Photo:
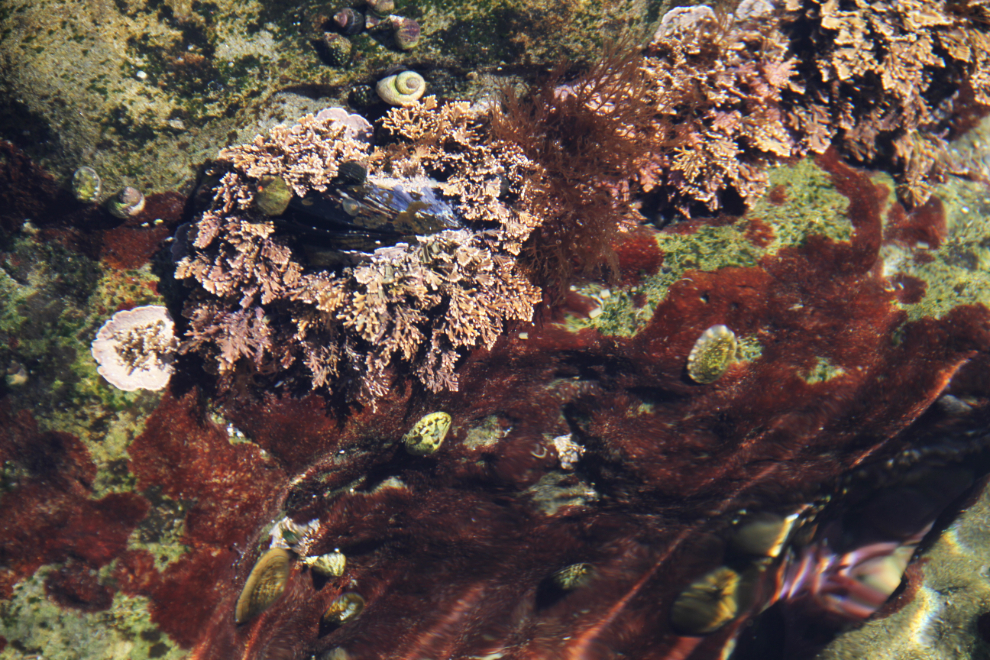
x=330 y=565
x=345 y=608
x=571 y=577
x=427 y=434
x=86 y=185
x=712 y=355
x=272 y=196
x=708 y=603
x=264 y=585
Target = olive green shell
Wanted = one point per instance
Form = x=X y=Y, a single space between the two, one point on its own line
x=86 y=185
x=708 y=603
x=712 y=355
x=272 y=196
x=427 y=435
x=762 y=535
x=265 y=584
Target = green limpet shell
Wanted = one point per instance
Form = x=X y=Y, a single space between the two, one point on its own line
x=86 y=185
x=708 y=603
x=402 y=89
x=762 y=535
x=346 y=607
x=427 y=435
x=571 y=577
x=272 y=196
x=329 y=565
x=712 y=355
x=265 y=584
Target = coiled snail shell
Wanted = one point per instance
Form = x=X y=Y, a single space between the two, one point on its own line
x=402 y=89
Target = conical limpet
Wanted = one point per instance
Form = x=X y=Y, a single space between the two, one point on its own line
x=402 y=89
x=329 y=565
x=571 y=577
x=345 y=608
x=708 y=603
x=86 y=185
x=712 y=355
x=272 y=195
x=427 y=435
x=265 y=584
x=762 y=535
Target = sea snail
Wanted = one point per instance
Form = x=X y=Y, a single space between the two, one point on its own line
x=402 y=89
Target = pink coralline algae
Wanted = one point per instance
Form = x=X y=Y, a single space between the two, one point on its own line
x=135 y=348
x=263 y=302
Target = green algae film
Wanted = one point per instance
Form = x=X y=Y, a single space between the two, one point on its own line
x=811 y=206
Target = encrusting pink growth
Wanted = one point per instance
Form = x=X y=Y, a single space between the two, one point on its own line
x=135 y=348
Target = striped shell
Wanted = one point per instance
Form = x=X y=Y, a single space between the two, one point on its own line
x=406 y=31
x=402 y=89
x=712 y=355
x=265 y=584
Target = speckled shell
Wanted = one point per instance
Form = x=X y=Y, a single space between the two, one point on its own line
x=126 y=203
x=329 y=565
x=571 y=577
x=712 y=355
x=272 y=195
x=402 y=89
x=346 y=607
x=336 y=48
x=86 y=185
x=427 y=435
x=265 y=584
x=708 y=603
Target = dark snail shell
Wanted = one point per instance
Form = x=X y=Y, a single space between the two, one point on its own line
x=349 y=21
